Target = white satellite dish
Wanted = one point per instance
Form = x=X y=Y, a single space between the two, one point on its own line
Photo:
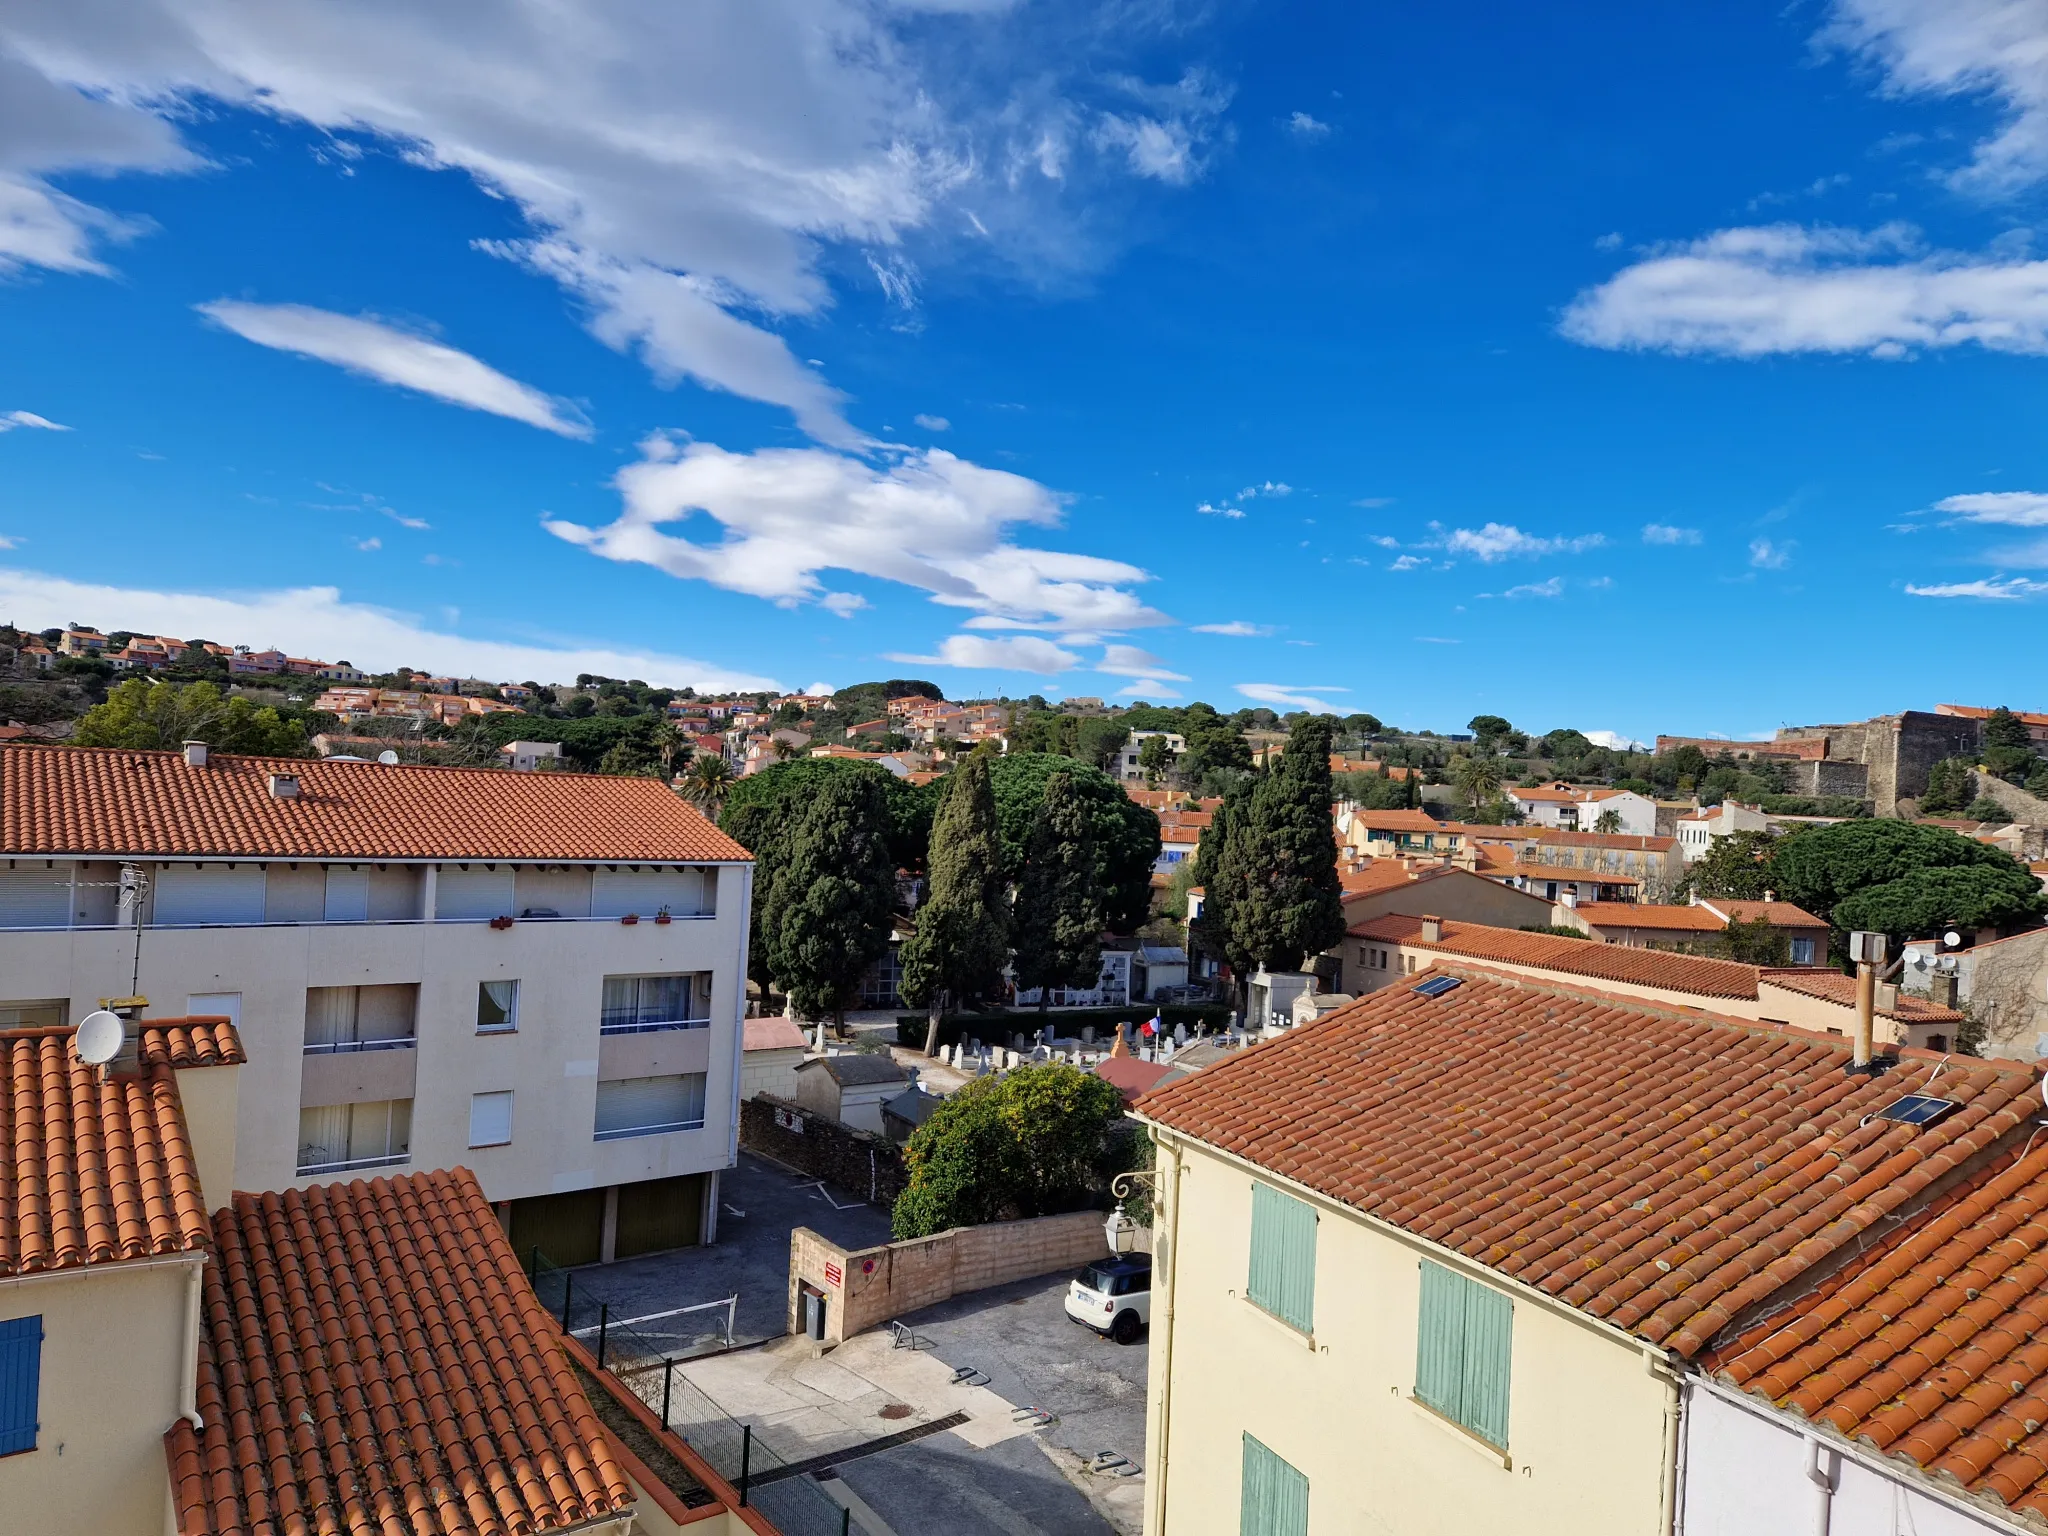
x=99 y=1037
x=388 y=758
x=1952 y=939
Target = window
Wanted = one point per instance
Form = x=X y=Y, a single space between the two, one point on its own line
x=360 y=1018
x=1283 y=1259
x=1802 y=951
x=490 y=1119
x=497 y=1007
x=1274 y=1501
x=34 y=1013
x=1464 y=1339
x=649 y=1106
x=637 y=1004
x=344 y=1137
x=21 y=1373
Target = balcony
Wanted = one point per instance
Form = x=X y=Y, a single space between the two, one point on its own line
x=373 y=1072
x=626 y=1021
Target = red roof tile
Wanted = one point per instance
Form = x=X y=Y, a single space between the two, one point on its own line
x=1573 y=957
x=1643 y=914
x=1620 y=842
x=1397 y=821
x=91 y=1171
x=373 y=1360
x=108 y=803
x=1128 y=1075
x=778 y=1033
x=1930 y=1347
x=1779 y=914
x=193 y=1042
x=1663 y=1170
x=1834 y=987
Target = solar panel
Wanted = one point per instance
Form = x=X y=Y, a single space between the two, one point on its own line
x=1437 y=986
x=1918 y=1109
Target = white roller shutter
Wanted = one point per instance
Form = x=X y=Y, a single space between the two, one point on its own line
x=188 y=895
x=617 y=892
x=490 y=1118
x=33 y=895
x=647 y=1105
x=348 y=893
x=473 y=894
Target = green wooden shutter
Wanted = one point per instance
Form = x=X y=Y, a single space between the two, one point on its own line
x=1440 y=1340
x=1274 y=1500
x=1283 y=1257
x=1489 y=1340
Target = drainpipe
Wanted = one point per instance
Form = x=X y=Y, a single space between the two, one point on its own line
x=1820 y=1472
x=1669 y=1514
x=1156 y=1474
x=194 y=1302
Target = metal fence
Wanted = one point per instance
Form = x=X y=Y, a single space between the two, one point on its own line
x=644 y=1360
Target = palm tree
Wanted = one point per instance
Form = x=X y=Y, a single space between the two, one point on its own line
x=670 y=742
x=707 y=781
x=1609 y=821
x=1478 y=780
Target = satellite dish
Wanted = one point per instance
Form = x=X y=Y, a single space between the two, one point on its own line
x=388 y=758
x=99 y=1037
x=1952 y=939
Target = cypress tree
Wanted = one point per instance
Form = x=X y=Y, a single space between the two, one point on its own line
x=827 y=918
x=1059 y=914
x=1291 y=905
x=963 y=928
x=1220 y=870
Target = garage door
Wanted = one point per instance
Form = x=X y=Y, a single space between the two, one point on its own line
x=568 y=1229
x=660 y=1213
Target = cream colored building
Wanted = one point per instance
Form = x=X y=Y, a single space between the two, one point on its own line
x=535 y=976
x=1436 y=1264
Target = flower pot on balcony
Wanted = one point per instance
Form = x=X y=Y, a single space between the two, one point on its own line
x=501 y=922
x=661 y=917
x=630 y=918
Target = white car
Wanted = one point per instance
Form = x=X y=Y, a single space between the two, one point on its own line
x=1114 y=1296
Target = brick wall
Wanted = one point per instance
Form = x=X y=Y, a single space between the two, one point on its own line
x=867 y=1166
x=867 y=1287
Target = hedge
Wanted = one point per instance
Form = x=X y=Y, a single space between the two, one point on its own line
x=997 y=1028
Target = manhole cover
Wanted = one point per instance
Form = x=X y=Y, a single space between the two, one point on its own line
x=896 y=1410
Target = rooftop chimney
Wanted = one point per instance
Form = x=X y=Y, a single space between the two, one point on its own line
x=195 y=754
x=1770 y=895
x=284 y=786
x=1432 y=930
x=1942 y=989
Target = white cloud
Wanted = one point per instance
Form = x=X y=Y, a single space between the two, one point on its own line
x=1210 y=509
x=1551 y=588
x=932 y=423
x=316 y=621
x=9 y=420
x=1664 y=533
x=1239 y=628
x=1436 y=640
x=392 y=356
x=1782 y=288
x=12 y=543
x=820 y=691
x=1614 y=741
x=675 y=166
x=1997 y=587
x=1268 y=488
x=1148 y=688
x=1373 y=501
x=1130 y=661
x=2011 y=509
x=929 y=520
x=1408 y=563
x=1385 y=541
x=1025 y=653
x=1502 y=541
x=1302 y=126
x=1768 y=556
x=1994 y=48
x=369 y=546
x=1288 y=695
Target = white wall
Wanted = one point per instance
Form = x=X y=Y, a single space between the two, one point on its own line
x=1746 y=1475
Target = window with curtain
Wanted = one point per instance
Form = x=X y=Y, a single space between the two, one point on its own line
x=497 y=1007
x=636 y=1004
x=649 y=1106
x=341 y=1138
x=360 y=1018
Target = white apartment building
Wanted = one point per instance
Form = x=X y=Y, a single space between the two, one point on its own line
x=538 y=976
x=1697 y=834
x=1128 y=766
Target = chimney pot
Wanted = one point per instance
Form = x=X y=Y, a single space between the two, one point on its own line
x=1432 y=930
x=1770 y=895
x=284 y=786
x=195 y=754
x=1943 y=989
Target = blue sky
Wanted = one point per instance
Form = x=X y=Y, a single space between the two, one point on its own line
x=1639 y=371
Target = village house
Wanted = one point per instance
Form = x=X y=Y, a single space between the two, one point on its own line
x=2002 y=983
x=1697 y=834
x=1592 y=866
x=1380 y=834
x=849 y=1087
x=1494 y=1164
x=1580 y=808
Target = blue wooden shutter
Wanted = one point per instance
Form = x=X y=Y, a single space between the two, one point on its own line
x=1489 y=1340
x=1283 y=1257
x=1274 y=1497
x=1440 y=1340
x=21 y=1369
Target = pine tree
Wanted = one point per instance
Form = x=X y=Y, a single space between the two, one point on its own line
x=1291 y=905
x=1059 y=913
x=827 y=918
x=963 y=928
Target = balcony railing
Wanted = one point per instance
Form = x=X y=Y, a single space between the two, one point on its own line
x=624 y=1131
x=353 y=922
x=338 y=1047
x=626 y=1021
x=349 y=1164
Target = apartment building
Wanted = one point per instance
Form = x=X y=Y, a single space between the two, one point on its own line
x=538 y=976
x=1447 y=1260
x=1578 y=808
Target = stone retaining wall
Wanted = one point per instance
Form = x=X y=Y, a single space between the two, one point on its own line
x=867 y=1166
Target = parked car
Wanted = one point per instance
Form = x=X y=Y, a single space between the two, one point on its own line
x=1114 y=1296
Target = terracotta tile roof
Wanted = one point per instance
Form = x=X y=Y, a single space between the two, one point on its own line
x=773 y=1034
x=1621 y=842
x=1664 y=1170
x=1644 y=914
x=105 y=802
x=1572 y=957
x=1930 y=1347
x=1535 y=871
x=199 y=1041
x=90 y=1172
x=1549 y=794
x=1397 y=821
x=1779 y=914
x=373 y=1360
x=1374 y=876
x=1128 y=1075
x=1834 y=987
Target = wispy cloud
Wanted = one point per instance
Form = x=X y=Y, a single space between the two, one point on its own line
x=1288 y=695
x=1148 y=688
x=1408 y=563
x=1551 y=588
x=1131 y=661
x=1268 y=488
x=1664 y=533
x=1302 y=126
x=1240 y=628
x=1373 y=501
x=367 y=546
x=1023 y=653
x=9 y=420
x=1767 y=555
x=2011 y=509
x=1999 y=588
x=932 y=423
x=1503 y=541
x=1436 y=640
x=375 y=350
x=1210 y=509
